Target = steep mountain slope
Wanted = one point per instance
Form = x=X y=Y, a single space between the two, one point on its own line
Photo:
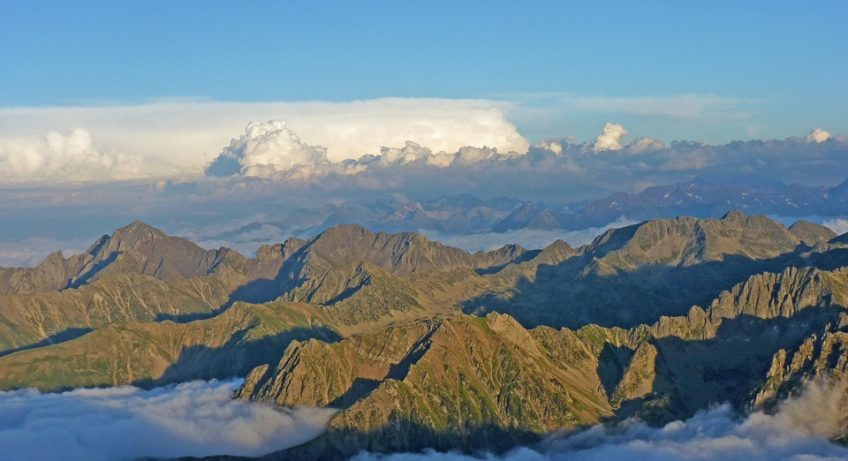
x=137 y=274
x=461 y=382
x=687 y=241
x=466 y=382
x=821 y=355
x=635 y=274
x=53 y=273
x=134 y=249
x=148 y=353
x=43 y=318
x=625 y=277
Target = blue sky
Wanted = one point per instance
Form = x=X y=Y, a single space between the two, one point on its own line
x=782 y=65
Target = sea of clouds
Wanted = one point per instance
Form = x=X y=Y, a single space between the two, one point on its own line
x=196 y=418
x=200 y=418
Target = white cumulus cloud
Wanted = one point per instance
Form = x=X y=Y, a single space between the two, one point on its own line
x=272 y=150
x=552 y=145
x=57 y=157
x=123 y=423
x=188 y=134
x=818 y=135
x=267 y=148
x=610 y=138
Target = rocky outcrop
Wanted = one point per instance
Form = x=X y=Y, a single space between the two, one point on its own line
x=823 y=355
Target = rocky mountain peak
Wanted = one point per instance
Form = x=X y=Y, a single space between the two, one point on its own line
x=810 y=233
x=137 y=231
x=734 y=215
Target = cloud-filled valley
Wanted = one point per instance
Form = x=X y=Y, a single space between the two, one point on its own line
x=196 y=418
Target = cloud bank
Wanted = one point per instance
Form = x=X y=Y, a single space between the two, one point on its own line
x=185 y=135
x=472 y=142
x=798 y=431
x=191 y=419
x=273 y=150
x=59 y=157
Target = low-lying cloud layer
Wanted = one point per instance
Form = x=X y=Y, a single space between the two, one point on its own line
x=191 y=419
x=528 y=238
x=798 y=431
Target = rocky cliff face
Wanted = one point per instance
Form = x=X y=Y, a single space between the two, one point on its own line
x=823 y=355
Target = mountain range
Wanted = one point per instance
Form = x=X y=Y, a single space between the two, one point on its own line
x=467 y=214
x=422 y=345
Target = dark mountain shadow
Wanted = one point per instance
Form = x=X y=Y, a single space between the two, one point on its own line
x=84 y=278
x=62 y=336
x=611 y=365
x=565 y=295
x=257 y=291
x=236 y=357
x=346 y=293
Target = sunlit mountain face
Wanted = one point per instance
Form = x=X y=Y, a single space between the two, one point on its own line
x=436 y=231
